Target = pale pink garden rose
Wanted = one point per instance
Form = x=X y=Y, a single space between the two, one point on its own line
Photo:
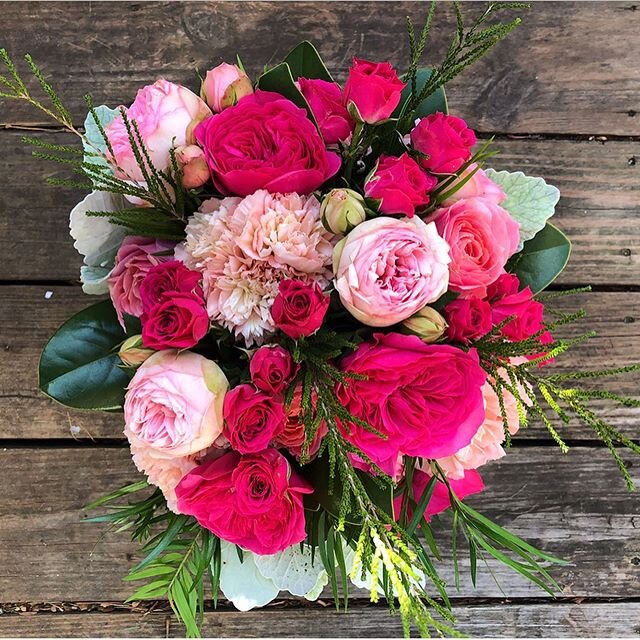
x=224 y=85
x=387 y=269
x=479 y=185
x=482 y=236
x=173 y=406
x=134 y=259
x=486 y=445
x=166 y=114
x=244 y=247
x=195 y=171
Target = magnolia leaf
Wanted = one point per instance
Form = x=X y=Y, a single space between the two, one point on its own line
x=242 y=582
x=93 y=135
x=292 y=570
x=305 y=62
x=80 y=367
x=530 y=201
x=280 y=80
x=542 y=259
x=96 y=239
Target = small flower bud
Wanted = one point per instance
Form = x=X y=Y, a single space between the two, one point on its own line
x=342 y=210
x=427 y=324
x=224 y=86
x=195 y=171
x=132 y=353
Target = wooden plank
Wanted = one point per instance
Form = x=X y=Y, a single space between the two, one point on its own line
x=600 y=188
x=573 y=506
x=547 y=77
x=505 y=620
x=28 y=319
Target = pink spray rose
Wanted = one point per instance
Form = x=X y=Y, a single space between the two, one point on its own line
x=254 y=501
x=135 y=258
x=477 y=186
x=325 y=100
x=166 y=114
x=293 y=435
x=224 y=85
x=299 y=308
x=265 y=142
x=387 y=269
x=440 y=500
x=468 y=319
x=179 y=321
x=446 y=140
x=400 y=184
x=252 y=418
x=374 y=88
x=272 y=369
x=173 y=406
x=425 y=398
x=195 y=171
x=166 y=277
x=482 y=236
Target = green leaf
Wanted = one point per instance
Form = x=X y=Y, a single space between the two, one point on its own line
x=542 y=259
x=437 y=101
x=530 y=201
x=80 y=367
x=280 y=80
x=93 y=135
x=305 y=62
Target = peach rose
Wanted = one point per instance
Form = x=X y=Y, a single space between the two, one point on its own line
x=173 y=406
x=387 y=269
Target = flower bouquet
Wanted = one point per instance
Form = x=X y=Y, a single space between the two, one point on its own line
x=324 y=315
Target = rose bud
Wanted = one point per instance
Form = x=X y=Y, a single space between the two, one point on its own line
x=195 y=171
x=374 y=89
x=342 y=210
x=427 y=324
x=272 y=369
x=325 y=100
x=132 y=353
x=224 y=85
x=299 y=308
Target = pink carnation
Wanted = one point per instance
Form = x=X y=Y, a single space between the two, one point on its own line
x=425 y=398
x=482 y=236
x=134 y=260
x=245 y=247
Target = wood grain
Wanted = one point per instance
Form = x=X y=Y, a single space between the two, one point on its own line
x=573 y=506
x=28 y=319
x=599 y=208
x=503 y=620
x=567 y=69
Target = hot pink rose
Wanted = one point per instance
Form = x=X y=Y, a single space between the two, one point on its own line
x=195 y=171
x=254 y=501
x=468 y=319
x=374 y=88
x=265 y=142
x=529 y=315
x=507 y=284
x=173 y=406
x=171 y=276
x=440 y=500
x=425 y=398
x=325 y=100
x=224 y=85
x=134 y=260
x=400 y=184
x=477 y=186
x=293 y=435
x=179 y=321
x=166 y=114
x=299 y=308
x=252 y=418
x=482 y=236
x=387 y=269
x=446 y=140
x=272 y=369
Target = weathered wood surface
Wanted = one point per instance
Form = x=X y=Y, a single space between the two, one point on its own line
x=28 y=318
x=506 y=620
x=574 y=506
x=599 y=207
x=568 y=68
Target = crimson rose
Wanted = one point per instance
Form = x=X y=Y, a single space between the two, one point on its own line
x=299 y=308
